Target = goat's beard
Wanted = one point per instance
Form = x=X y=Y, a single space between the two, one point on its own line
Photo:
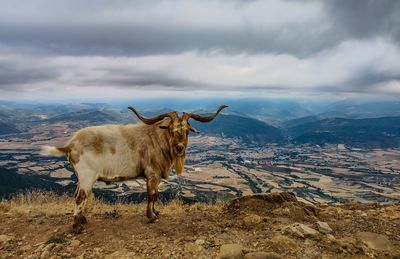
x=179 y=163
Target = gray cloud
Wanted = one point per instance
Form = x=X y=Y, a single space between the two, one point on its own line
x=15 y=76
x=142 y=79
x=364 y=19
x=110 y=40
x=107 y=33
x=240 y=45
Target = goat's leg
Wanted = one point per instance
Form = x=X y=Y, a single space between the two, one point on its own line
x=156 y=212
x=152 y=185
x=82 y=195
x=80 y=202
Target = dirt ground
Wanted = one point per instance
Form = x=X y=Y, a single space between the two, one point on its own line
x=38 y=225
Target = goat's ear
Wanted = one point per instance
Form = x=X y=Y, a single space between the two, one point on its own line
x=193 y=129
x=165 y=124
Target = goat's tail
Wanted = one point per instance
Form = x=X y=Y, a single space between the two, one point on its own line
x=53 y=151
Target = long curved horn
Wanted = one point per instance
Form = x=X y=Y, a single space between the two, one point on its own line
x=153 y=120
x=206 y=118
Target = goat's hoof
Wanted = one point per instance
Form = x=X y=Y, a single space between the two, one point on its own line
x=77 y=228
x=157 y=213
x=152 y=219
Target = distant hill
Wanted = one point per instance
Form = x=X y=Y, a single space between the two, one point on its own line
x=247 y=129
x=12 y=183
x=358 y=110
x=93 y=116
x=374 y=132
x=7 y=128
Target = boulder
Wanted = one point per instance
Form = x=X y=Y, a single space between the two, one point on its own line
x=193 y=248
x=374 y=241
x=324 y=228
x=231 y=251
x=300 y=230
x=283 y=244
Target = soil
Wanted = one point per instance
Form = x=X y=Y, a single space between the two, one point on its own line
x=43 y=229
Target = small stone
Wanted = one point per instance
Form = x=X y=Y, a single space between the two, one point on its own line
x=231 y=251
x=5 y=238
x=45 y=254
x=200 y=242
x=49 y=247
x=324 y=228
x=97 y=250
x=75 y=243
x=300 y=230
x=252 y=221
x=330 y=237
x=262 y=255
x=364 y=214
x=193 y=248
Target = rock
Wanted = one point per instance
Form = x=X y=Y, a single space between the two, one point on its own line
x=300 y=230
x=251 y=220
x=75 y=243
x=282 y=244
x=263 y=255
x=5 y=238
x=323 y=227
x=349 y=245
x=45 y=254
x=193 y=248
x=97 y=250
x=49 y=247
x=200 y=242
x=374 y=241
x=231 y=251
x=330 y=237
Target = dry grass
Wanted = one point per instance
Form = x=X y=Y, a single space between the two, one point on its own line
x=48 y=203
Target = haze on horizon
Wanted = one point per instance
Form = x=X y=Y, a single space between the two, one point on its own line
x=66 y=49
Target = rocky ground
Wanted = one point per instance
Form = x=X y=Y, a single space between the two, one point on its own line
x=261 y=226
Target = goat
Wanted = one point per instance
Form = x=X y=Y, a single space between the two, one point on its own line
x=113 y=153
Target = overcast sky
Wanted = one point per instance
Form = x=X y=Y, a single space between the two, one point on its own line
x=125 y=48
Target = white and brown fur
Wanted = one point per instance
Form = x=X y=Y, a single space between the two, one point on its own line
x=113 y=153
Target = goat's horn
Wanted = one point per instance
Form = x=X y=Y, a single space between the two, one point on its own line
x=150 y=121
x=206 y=118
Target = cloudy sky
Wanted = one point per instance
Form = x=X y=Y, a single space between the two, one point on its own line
x=125 y=48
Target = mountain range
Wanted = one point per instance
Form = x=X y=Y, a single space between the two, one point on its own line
x=373 y=124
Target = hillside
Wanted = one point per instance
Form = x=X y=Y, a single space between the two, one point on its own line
x=244 y=128
x=7 y=128
x=265 y=225
x=374 y=132
x=12 y=183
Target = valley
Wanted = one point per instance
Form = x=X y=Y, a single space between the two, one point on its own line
x=219 y=168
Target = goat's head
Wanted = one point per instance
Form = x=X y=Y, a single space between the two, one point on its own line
x=178 y=129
